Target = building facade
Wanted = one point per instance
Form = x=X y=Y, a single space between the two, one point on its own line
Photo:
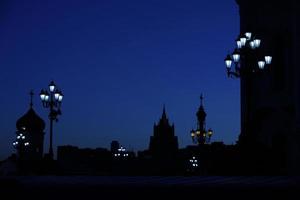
x=270 y=102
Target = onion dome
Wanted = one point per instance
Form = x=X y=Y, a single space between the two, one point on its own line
x=31 y=121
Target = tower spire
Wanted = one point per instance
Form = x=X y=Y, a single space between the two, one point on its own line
x=201 y=115
x=164 y=115
x=201 y=100
x=31 y=98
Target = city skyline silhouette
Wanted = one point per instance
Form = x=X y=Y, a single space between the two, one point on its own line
x=118 y=63
x=150 y=98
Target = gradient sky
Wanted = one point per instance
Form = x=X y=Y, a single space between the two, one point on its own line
x=117 y=62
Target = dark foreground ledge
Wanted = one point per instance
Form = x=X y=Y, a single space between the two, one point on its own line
x=116 y=187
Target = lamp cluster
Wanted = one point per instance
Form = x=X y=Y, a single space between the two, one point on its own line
x=194 y=162
x=121 y=152
x=201 y=137
x=54 y=97
x=246 y=56
x=21 y=140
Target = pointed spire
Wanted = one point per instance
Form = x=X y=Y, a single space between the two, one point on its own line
x=164 y=115
x=31 y=98
x=201 y=115
x=201 y=108
x=201 y=100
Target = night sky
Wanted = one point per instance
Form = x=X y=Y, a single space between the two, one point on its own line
x=118 y=62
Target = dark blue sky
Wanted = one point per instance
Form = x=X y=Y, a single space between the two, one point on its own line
x=117 y=63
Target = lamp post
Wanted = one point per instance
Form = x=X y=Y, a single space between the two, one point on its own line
x=249 y=62
x=52 y=100
x=201 y=135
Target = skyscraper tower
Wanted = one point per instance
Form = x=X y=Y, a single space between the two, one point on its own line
x=163 y=143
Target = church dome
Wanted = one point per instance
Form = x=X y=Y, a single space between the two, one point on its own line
x=31 y=121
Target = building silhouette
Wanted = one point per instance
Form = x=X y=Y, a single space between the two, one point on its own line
x=270 y=102
x=161 y=157
x=31 y=126
x=72 y=160
x=114 y=146
x=29 y=141
x=163 y=143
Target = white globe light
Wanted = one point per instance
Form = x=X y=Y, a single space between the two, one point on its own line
x=243 y=41
x=268 y=59
x=52 y=86
x=257 y=42
x=236 y=57
x=239 y=44
x=56 y=95
x=252 y=45
x=248 y=35
x=261 y=64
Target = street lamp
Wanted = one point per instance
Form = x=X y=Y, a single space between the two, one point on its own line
x=193 y=162
x=201 y=135
x=121 y=152
x=248 y=61
x=193 y=165
x=52 y=100
x=246 y=57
